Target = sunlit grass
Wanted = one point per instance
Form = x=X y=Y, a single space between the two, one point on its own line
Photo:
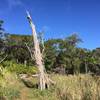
x=72 y=87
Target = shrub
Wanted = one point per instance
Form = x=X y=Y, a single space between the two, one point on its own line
x=9 y=92
x=19 y=68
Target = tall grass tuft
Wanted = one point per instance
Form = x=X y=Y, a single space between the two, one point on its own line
x=81 y=87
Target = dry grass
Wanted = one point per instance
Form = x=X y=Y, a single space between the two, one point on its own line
x=80 y=87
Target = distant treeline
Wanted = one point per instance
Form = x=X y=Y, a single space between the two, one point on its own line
x=60 y=55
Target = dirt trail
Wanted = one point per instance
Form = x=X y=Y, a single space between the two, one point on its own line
x=24 y=94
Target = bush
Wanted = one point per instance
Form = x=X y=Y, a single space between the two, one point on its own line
x=9 y=92
x=19 y=68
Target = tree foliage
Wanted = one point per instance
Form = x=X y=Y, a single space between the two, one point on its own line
x=3 y=41
x=60 y=55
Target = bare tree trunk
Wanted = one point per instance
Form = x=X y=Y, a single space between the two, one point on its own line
x=86 y=67
x=38 y=55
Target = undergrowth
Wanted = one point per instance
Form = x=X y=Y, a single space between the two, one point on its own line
x=72 y=87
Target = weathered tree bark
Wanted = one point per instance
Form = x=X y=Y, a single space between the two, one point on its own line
x=86 y=67
x=38 y=56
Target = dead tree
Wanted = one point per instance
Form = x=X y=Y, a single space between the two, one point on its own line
x=43 y=77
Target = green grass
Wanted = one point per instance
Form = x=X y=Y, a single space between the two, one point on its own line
x=18 y=68
x=9 y=86
x=77 y=87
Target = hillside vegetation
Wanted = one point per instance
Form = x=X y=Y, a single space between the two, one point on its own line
x=74 y=70
x=71 y=87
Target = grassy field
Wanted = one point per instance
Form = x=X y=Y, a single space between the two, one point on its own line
x=80 y=87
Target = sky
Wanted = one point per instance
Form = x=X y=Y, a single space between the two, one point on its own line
x=58 y=18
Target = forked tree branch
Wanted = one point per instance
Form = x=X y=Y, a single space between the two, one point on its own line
x=3 y=59
x=31 y=54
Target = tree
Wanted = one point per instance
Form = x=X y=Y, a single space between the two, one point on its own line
x=68 y=57
x=17 y=49
x=44 y=80
x=3 y=42
x=51 y=52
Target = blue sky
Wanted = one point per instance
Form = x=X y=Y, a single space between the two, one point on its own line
x=59 y=18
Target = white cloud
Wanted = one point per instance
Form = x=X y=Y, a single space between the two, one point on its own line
x=46 y=28
x=13 y=3
x=10 y=4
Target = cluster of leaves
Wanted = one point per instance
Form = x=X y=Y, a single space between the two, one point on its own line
x=17 y=50
x=19 y=68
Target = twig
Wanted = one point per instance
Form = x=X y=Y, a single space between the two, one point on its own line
x=30 y=51
x=3 y=59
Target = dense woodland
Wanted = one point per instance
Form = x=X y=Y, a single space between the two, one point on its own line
x=60 y=55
